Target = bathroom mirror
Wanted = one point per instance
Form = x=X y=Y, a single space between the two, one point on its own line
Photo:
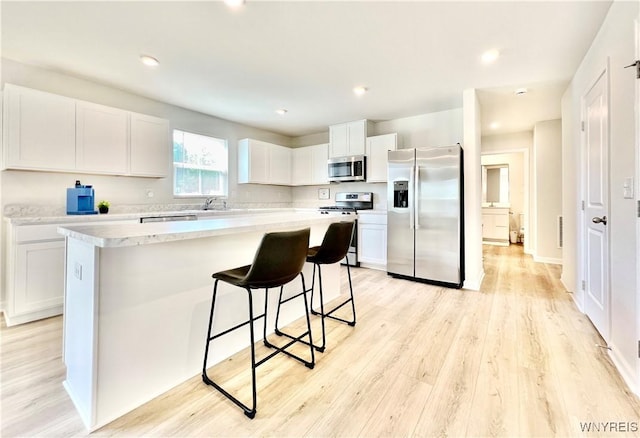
x=495 y=184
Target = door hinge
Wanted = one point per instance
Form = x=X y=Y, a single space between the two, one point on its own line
x=584 y=285
x=637 y=66
x=582 y=203
x=582 y=126
x=638 y=210
x=639 y=349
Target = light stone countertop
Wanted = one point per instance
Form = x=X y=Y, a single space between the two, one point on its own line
x=112 y=236
x=84 y=218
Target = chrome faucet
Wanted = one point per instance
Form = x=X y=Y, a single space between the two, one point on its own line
x=207 y=203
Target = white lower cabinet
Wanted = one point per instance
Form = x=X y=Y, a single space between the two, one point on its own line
x=495 y=224
x=372 y=240
x=34 y=283
x=39 y=273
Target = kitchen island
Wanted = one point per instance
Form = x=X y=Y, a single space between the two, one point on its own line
x=137 y=300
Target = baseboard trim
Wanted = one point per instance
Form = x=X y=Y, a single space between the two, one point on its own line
x=550 y=260
x=625 y=371
x=474 y=284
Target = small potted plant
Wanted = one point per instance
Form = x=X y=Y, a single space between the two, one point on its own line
x=103 y=207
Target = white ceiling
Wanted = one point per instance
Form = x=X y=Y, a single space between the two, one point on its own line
x=415 y=57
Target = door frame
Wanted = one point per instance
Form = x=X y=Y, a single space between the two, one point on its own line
x=527 y=209
x=603 y=72
x=637 y=198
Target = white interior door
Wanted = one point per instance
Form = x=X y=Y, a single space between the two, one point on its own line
x=596 y=144
x=637 y=193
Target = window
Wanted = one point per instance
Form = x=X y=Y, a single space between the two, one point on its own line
x=200 y=165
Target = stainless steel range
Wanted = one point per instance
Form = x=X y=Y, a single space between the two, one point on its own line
x=348 y=203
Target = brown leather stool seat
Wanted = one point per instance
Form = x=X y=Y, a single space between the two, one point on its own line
x=278 y=260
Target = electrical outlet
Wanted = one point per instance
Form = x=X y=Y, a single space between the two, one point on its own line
x=323 y=193
x=627 y=188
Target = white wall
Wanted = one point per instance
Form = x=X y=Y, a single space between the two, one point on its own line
x=441 y=128
x=48 y=188
x=472 y=190
x=547 y=162
x=613 y=46
x=570 y=198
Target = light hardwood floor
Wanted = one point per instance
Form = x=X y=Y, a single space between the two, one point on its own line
x=515 y=359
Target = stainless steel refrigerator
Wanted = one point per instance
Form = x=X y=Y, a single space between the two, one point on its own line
x=425 y=220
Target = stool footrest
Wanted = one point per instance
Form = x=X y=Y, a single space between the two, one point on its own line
x=229 y=330
x=248 y=412
x=284 y=351
x=287 y=335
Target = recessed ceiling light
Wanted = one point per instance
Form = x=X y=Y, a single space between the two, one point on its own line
x=494 y=125
x=149 y=61
x=281 y=111
x=234 y=3
x=490 y=56
x=359 y=91
x=520 y=92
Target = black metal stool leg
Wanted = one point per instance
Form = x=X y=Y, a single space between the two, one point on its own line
x=249 y=412
x=206 y=350
x=322 y=347
x=252 y=412
x=306 y=313
x=313 y=287
x=264 y=327
x=351 y=299
x=307 y=308
x=276 y=329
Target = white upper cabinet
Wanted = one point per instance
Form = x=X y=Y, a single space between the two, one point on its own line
x=348 y=138
x=279 y=165
x=319 y=157
x=150 y=148
x=260 y=162
x=39 y=130
x=101 y=139
x=44 y=131
x=377 y=156
x=309 y=165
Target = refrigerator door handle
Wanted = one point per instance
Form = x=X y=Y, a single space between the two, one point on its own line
x=411 y=199
x=416 y=196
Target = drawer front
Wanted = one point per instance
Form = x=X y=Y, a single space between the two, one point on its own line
x=29 y=233
x=501 y=221
x=369 y=218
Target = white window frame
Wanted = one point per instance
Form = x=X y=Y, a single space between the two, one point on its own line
x=222 y=168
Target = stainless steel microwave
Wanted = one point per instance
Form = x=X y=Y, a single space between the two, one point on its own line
x=351 y=168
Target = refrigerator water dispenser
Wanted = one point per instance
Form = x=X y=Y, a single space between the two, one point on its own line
x=400 y=194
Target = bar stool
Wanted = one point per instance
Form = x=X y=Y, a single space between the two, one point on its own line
x=278 y=260
x=335 y=247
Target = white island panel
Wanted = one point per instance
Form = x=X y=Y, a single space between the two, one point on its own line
x=148 y=305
